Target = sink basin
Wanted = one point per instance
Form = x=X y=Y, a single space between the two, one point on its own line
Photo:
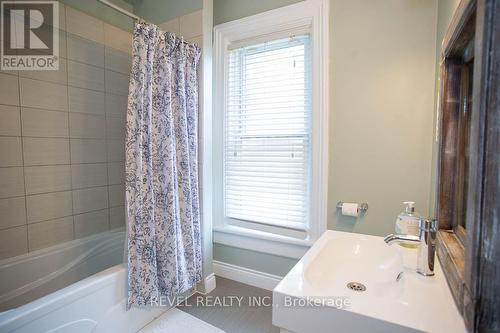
x=357 y=283
x=365 y=261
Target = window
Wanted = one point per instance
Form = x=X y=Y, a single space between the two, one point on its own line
x=270 y=129
x=267 y=133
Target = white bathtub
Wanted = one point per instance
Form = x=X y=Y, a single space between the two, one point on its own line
x=28 y=277
x=93 y=304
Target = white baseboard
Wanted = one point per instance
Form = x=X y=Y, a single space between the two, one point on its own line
x=246 y=275
x=207 y=285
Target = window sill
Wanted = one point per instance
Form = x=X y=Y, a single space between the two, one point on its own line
x=259 y=241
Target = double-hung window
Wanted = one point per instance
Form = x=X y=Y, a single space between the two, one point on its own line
x=269 y=170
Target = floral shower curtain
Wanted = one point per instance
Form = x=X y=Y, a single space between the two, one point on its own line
x=163 y=231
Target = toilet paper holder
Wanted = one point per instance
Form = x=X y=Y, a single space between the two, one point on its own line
x=362 y=207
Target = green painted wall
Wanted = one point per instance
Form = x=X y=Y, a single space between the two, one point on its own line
x=383 y=60
x=446 y=9
x=230 y=10
x=103 y=12
x=159 y=11
x=255 y=260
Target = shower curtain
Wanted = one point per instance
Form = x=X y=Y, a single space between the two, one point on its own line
x=163 y=230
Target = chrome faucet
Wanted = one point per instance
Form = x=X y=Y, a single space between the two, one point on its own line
x=426 y=241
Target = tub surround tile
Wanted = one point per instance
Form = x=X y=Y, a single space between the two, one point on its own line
x=118 y=61
x=49 y=206
x=45 y=179
x=90 y=199
x=44 y=95
x=117 y=38
x=89 y=175
x=84 y=25
x=10 y=120
x=85 y=50
x=13 y=242
x=116 y=195
x=87 y=126
x=48 y=233
x=115 y=127
x=12 y=212
x=11 y=151
x=85 y=76
x=116 y=173
x=116 y=105
x=116 y=150
x=86 y=101
x=91 y=223
x=88 y=151
x=44 y=123
x=116 y=83
x=58 y=180
x=117 y=217
x=11 y=182
x=59 y=76
x=9 y=91
x=45 y=151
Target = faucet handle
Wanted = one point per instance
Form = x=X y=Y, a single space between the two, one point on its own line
x=426 y=224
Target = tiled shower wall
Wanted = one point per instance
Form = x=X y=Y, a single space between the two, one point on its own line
x=62 y=140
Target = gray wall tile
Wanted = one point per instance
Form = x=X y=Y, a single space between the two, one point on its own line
x=117 y=217
x=116 y=105
x=116 y=150
x=44 y=179
x=10 y=120
x=44 y=123
x=85 y=50
x=91 y=223
x=44 y=95
x=12 y=212
x=84 y=25
x=13 y=242
x=116 y=173
x=117 y=38
x=11 y=182
x=59 y=76
x=115 y=127
x=11 y=151
x=90 y=199
x=89 y=175
x=45 y=151
x=116 y=83
x=86 y=126
x=85 y=76
x=48 y=206
x=48 y=233
x=9 y=91
x=116 y=195
x=86 y=101
x=118 y=61
x=88 y=151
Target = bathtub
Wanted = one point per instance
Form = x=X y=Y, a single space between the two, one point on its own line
x=79 y=295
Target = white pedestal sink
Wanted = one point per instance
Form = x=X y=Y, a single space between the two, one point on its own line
x=351 y=282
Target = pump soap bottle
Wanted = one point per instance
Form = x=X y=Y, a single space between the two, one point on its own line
x=407 y=222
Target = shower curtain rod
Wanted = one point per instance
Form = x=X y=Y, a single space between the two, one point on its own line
x=121 y=10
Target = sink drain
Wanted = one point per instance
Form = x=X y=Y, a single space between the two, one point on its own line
x=356 y=286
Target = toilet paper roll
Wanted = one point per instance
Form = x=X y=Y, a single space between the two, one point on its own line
x=350 y=209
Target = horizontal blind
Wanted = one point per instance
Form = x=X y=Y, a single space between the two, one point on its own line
x=267 y=132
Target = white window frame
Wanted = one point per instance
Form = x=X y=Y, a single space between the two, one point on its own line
x=313 y=16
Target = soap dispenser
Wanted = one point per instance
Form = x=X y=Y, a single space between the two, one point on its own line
x=407 y=222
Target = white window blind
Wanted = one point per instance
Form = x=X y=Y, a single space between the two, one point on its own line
x=268 y=133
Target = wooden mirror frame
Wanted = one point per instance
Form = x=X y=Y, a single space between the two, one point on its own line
x=470 y=257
